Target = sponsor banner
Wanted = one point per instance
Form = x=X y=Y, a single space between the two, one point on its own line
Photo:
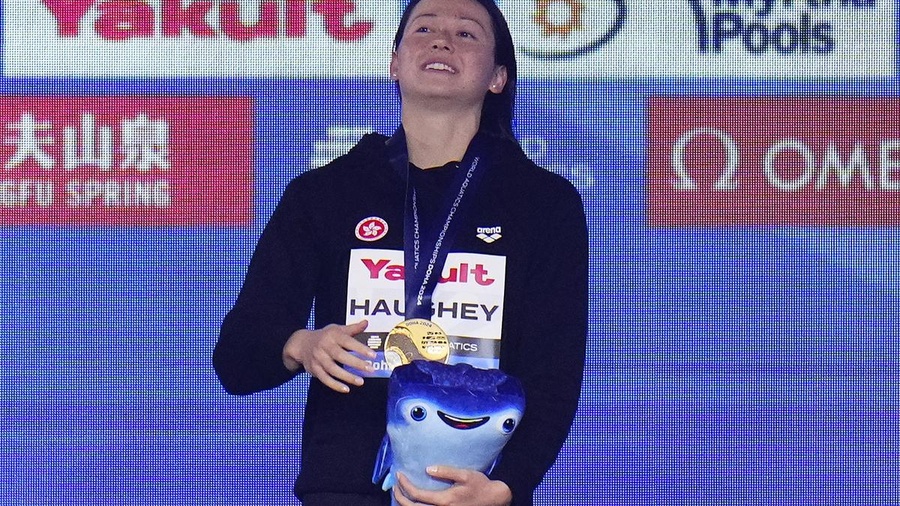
x=555 y=38
x=751 y=38
x=115 y=160
x=198 y=37
x=467 y=303
x=773 y=161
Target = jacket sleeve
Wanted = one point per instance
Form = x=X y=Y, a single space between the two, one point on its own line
x=549 y=357
x=274 y=301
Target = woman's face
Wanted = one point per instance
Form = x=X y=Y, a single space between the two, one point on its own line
x=447 y=52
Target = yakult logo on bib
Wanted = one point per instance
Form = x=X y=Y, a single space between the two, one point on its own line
x=467 y=303
x=371 y=229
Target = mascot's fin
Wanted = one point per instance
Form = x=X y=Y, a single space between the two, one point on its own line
x=490 y=469
x=383 y=462
x=389 y=482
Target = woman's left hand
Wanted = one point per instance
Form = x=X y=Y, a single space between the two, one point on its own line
x=470 y=488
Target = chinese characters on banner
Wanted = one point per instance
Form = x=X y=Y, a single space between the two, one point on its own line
x=126 y=160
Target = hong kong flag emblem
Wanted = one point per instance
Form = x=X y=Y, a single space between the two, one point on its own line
x=371 y=229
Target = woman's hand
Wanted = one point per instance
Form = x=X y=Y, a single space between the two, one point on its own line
x=325 y=351
x=470 y=488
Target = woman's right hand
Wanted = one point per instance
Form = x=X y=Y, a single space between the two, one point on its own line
x=325 y=351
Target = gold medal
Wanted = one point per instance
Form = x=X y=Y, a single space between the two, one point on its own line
x=416 y=339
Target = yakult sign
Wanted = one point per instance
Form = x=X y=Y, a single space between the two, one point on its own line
x=774 y=161
x=127 y=19
x=555 y=38
x=194 y=37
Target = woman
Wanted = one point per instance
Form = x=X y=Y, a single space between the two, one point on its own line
x=453 y=166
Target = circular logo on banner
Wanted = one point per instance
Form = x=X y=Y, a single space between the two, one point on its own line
x=371 y=229
x=565 y=29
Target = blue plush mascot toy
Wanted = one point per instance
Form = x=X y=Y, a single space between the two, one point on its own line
x=448 y=415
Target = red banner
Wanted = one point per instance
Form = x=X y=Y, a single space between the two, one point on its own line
x=718 y=161
x=113 y=160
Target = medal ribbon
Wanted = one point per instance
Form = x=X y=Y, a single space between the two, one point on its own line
x=433 y=239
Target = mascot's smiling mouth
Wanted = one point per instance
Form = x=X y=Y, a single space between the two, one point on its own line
x=462 y=423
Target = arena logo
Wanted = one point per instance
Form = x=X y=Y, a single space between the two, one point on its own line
x=773 y=161
x=117 y=20
x=786 y=27
x=565 y=29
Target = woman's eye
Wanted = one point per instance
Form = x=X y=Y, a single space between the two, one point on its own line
x=422 y=29
x=466 y=35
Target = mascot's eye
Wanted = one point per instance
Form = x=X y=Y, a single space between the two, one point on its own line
x=508 y=425
x=417 y=413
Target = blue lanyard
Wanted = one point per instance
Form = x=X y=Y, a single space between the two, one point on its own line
x=426 y=245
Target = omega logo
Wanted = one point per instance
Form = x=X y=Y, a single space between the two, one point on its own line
x=815 y=169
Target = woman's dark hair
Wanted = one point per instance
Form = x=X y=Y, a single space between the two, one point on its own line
x=497 y=112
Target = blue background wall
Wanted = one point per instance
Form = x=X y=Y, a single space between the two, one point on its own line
x=725 y=366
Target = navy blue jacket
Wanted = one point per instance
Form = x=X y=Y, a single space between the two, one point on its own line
x=303 y=256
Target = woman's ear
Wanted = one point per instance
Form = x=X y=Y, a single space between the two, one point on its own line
x=498 y=82
x=393 y=66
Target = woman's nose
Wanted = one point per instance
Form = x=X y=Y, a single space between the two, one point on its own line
x=442 y=43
